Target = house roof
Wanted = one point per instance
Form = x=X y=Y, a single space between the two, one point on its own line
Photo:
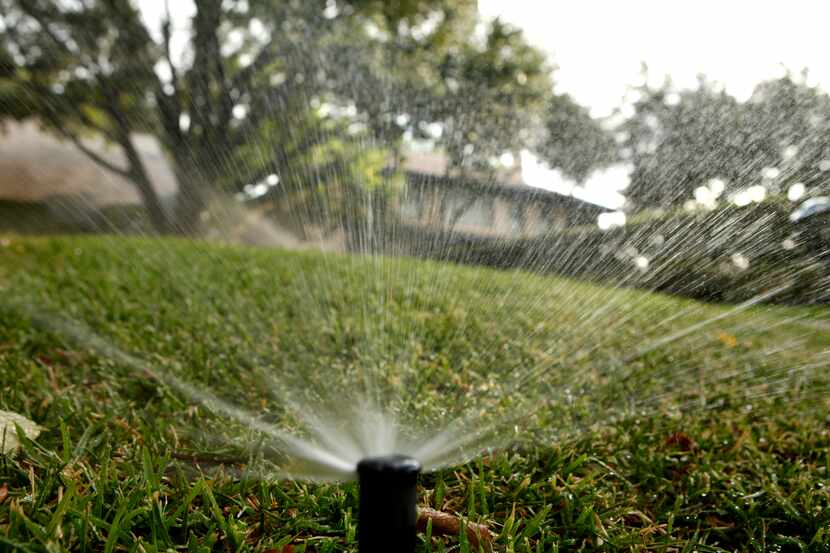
x=511 y=191
x=435 y=162
x=430 y=169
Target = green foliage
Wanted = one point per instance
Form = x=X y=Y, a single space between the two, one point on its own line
x=94 y=69
x=688 y=254
x=793 y=119
x=392 y=70
x=575 y=142
x=678 y=145
x=89 y=69
x=490 y=96
x=327 y=173
x=473 y=89
x=72 y=68
x=678 y=140
x=82 y=70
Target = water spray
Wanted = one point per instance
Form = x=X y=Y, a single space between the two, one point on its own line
x=388 y=514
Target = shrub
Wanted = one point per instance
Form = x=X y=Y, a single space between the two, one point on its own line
x=731 y=255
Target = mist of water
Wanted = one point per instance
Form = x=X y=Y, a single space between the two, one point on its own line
x=398 y=325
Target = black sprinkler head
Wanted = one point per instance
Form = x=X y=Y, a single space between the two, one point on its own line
x=388 y=514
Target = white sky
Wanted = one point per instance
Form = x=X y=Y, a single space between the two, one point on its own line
x=599 y=46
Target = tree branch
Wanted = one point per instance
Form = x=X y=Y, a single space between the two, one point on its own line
x=44 y=25
x=263 y=58
x=167 y=35
x=170 y=105
x=89 y=122
x=54 y=120
x=109 y=166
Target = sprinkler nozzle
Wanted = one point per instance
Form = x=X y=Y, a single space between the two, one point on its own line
x=388 y=514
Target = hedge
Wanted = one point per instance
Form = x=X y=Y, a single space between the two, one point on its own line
x=732 y=255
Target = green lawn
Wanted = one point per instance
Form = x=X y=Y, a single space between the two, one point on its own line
x=717 y=439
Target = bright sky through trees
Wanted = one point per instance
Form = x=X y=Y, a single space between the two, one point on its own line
x=599 y=46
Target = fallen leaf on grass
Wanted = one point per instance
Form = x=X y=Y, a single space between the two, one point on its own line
x=716 y=523
x=727 y=339
x=445 y=524
x=9 y=443
x=681 y=440
x=637 y=518
x=284 y=549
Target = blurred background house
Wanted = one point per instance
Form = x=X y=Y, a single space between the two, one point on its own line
x=60 y=188
x=498 y=205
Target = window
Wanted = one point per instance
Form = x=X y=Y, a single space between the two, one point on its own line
x=518 y=218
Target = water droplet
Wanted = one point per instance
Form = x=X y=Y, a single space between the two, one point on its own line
x=770 y=173
x=184 y=121
x=277 y=79
x=245 y=60
x=740 y=261
x=717 y=186
x=672 y=99
x=331 y=10
x=607 y=221
x=796 y=191
x=240 y=111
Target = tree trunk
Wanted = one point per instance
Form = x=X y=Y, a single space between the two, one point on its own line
x=152 y=203
x=191 y=200
x=136 y=171
x=184 y=152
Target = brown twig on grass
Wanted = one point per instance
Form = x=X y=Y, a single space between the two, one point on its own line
x=445 y=524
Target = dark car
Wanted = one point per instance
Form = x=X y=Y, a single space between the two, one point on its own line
x=813 y=217
x=811 y=208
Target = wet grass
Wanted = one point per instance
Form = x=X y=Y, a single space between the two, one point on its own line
x=114 y=471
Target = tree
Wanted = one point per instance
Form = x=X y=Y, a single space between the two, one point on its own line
x=247 y=99
x=92 y=68
x=575 y=142
x=334 y=167
x=793 y=120
x=677 y=141
x=80 y=72
x=490 y=97
x=391 y=70
x=474 y=89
